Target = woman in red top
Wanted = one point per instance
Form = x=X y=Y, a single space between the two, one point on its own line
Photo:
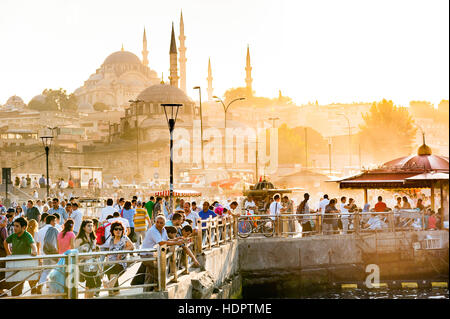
x=432 y=220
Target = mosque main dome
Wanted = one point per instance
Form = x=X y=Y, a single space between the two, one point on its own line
x=122 y=57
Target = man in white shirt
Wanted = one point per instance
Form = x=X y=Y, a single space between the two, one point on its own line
x=374 y=222
x=323 y=204
x=39 y=206
x=191 y=214
x=250 y=205
x=108 y=210
x=119 y=205
x=275 y=211
x=156 y=235
x=115 y=182
x=49 y=222
x=195 y=208
x=77 y=217
x=344 y=214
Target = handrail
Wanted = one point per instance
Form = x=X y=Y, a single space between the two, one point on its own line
x=394 y=220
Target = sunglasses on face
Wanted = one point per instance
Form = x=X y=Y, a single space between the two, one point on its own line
x=121 y=229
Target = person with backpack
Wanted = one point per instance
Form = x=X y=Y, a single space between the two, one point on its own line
x=103 y=232
x=128 y=213
x=49 y=247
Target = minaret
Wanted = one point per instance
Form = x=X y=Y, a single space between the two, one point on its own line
x=173 y=60
x=209 y=79
x=144 y=50
x=183 y=59
x=248 y=71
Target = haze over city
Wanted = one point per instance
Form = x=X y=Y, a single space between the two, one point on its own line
x=346 y=51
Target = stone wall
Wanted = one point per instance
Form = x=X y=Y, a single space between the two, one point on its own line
x=284 y=264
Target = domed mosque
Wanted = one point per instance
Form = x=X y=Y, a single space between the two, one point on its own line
x=14 y=103
x=121 y=77
x=150 y=112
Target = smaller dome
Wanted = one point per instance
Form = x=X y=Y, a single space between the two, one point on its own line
x=164 y=93
x=424 y=150
x=264 y=185
x=39 y=98
x=15 y=101
x=122 y=57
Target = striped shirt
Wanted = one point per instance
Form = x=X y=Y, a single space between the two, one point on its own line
x=140 y=218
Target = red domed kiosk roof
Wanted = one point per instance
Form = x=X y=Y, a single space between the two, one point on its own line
x=419 y=162
x=401 y=172
x=424 y=160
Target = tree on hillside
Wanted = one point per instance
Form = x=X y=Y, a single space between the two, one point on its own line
x=422 y=109
x=42 y=105
x=55 y=100
x=388 y=131
x=256 y=101
x=235 y=93
x=100 y=107
x=443 y=106
x=291 y=144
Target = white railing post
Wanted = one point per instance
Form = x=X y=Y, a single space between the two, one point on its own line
x=73 y=275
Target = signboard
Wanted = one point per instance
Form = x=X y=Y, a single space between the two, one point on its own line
x=6 y=175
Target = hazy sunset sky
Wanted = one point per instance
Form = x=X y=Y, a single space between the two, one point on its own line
x=330 y=51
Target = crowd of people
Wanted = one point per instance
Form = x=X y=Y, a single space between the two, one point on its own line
x=337 y=215
x=57 y=225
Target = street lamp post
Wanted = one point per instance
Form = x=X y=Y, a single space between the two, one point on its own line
x=225 y=109
x=135 y=102
x=273 y=119
x=329 y=152
x=201 y=121
x=306 y=147
x=349 y=140
x=46 y=141
x=171 y=120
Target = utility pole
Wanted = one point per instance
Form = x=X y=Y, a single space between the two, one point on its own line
x=256 y=164
x=349 y=140
x=329 y=152
x=359 y=151
x=306 y=147
x=135 y=102
x=201 y=122
x=109 y=132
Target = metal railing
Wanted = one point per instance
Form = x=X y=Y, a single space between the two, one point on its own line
x=102 y=263
x=65 y=272
x=325 y=224
x=17 y=270
x=68 y=274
